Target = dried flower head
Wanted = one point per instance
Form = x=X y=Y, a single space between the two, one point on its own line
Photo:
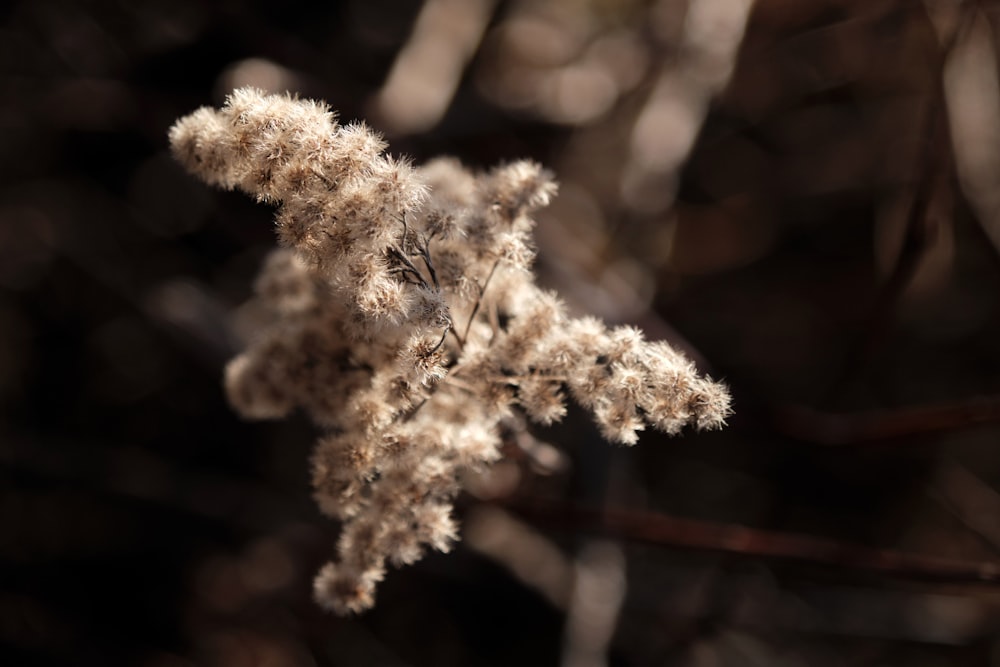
x=408 y=324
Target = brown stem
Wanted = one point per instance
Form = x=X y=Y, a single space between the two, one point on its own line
x=885 y=426
x=408 y=268
x=479 y=301
x=667 y=531
x=425 y=254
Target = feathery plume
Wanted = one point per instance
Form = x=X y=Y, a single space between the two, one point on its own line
x=407 y=323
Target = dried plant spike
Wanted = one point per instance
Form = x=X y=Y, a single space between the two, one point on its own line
x=407 y=323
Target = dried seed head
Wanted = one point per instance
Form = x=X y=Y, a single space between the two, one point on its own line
x=406 y=322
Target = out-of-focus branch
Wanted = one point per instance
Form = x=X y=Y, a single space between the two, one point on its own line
x=923 y=225
x=427 y=71
x=594 y=604
x=973 y=502
x=668 y=124
x=529 y=556
x=972 y=95
x=885 y=426
x=667 y=531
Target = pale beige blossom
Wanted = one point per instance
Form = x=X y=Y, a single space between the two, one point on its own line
x=407 y=324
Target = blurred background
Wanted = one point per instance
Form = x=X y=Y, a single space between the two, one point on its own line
x=804 y=196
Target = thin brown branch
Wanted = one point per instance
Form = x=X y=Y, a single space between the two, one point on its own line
x=425 y=255
x=885 y=426
x=479 y=301
x=668 y=531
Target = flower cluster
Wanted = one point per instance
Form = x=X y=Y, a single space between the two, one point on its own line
x=408 y=324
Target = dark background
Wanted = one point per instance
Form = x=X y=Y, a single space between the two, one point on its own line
x=823 y=247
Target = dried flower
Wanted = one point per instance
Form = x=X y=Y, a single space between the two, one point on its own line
x=408 y=325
